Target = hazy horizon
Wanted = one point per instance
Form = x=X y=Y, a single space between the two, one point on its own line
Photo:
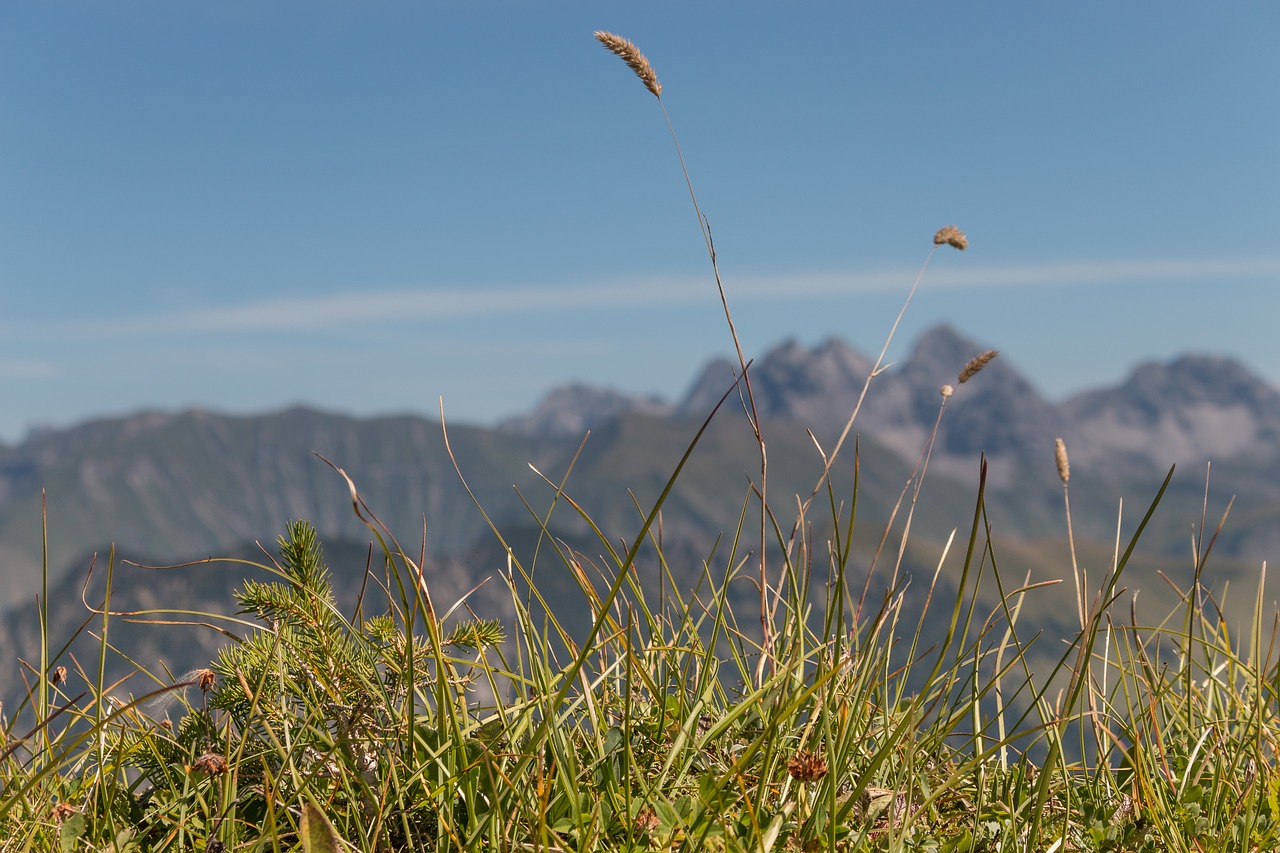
x=673 y=398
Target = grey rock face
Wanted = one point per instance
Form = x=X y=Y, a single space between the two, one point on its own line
x=790 y=382
x=573 y=409
x=1193 y=408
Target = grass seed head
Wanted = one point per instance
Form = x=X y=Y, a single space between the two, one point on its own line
x=635 y=60
x=975 y=364
x=946 y=391
x=1064 y=464
x=952 y=236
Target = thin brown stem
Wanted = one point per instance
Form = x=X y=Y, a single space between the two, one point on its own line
x=875 y=371
x=753 y=415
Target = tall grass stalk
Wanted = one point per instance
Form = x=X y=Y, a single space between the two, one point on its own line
x=641 y=66
x=653 y=732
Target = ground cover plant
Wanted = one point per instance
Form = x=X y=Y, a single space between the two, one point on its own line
x=832 y=714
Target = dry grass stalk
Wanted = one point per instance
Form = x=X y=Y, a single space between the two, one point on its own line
x=952 y=236
x=1064 y=464
x=975 y=364
x=635 y=60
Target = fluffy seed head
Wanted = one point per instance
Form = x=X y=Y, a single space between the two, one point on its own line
x=946 y=391
x=635 y=60
x=975 y=364
x=952 y=236
x=1064 y=464
x=205 y=678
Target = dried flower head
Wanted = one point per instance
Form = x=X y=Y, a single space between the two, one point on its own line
x=946 y=391
x=1064 y=464
x=975 y=364
x=62 y=811
x=58 y=675
x=635 y=60
x=952 y=236
x=646 y=820
x=211 y=764
x=205 y=678
x=806 y=766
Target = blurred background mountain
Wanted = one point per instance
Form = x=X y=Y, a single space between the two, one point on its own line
x=172 y=487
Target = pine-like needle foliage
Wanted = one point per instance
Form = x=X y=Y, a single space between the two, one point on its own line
x=309 y=705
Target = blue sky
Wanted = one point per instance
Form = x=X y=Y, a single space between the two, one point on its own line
x=368 y=206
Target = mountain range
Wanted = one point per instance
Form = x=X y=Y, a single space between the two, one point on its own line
x=197 y=484
x=1192 y=409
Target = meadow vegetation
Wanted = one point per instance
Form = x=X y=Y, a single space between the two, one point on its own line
x=830 y=715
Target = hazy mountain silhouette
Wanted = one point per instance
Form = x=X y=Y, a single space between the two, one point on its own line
x=194 y=484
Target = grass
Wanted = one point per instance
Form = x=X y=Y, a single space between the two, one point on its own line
x=840 y=713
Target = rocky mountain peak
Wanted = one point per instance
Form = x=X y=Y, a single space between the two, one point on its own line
x=998 y=411
x=573 y=409
x=942 y=346
x=790 y=382
x=941 y=353
x=1195 y=379
x=1193 y=407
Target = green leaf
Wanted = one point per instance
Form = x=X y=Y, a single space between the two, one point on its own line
x=612 y=740
x=318 y=835
x=72 y=829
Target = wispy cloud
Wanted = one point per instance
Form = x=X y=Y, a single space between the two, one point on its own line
x=364 y=308
x=1025 y=276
